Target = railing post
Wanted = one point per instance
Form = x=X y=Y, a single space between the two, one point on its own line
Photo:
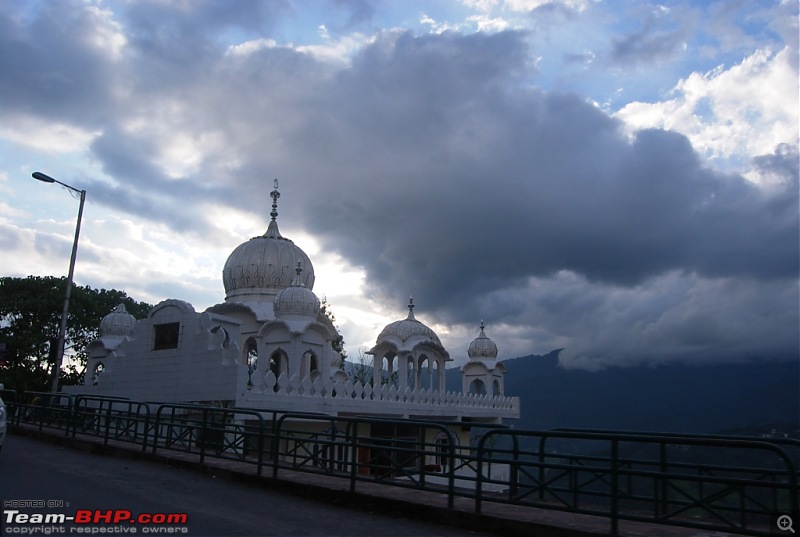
x=276 y=428
x=76 y=414
x=41 y=410
x=514 y=473
x=260 y=443
x=614 y=487
x=203 y=435
x=108 y=421
x=451 y=468
x=146 y=423
x=353 y=437
x=479 y=477
x=70 y=416
x=542 y=448
x=157 y=427
x=662 y=505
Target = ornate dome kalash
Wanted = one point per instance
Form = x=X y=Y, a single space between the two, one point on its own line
x=482 y=348
x=408 y=327
x=117 y=324
x=257 y=270
x=297 y=299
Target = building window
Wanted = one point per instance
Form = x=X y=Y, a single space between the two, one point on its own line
x=166 y=336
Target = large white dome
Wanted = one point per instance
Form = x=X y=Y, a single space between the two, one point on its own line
x=257 y=270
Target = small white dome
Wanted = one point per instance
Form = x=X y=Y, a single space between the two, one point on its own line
x=482 y=348
x=118 y=323
x=297 y=299
x=408 y=327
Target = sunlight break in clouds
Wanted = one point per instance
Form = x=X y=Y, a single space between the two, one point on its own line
x=721 y=110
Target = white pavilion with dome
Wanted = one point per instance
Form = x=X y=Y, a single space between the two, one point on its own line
x=269 y=346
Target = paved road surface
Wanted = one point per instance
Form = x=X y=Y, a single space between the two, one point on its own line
x=35 y=470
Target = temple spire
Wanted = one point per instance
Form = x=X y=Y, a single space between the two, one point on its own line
x=411 y=308
x=274 y=195
x=272 y=229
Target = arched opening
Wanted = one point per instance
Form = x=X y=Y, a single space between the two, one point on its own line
x=278 y=364
x=424 y=373
x=310 y=364
x=437 y=382
x=387 y=373
x=96 y=372
x=477 y=387
x=251 y=353
x=497 y=389
x=411 y=373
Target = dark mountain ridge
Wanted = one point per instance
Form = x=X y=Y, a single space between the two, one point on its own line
x=756 y=397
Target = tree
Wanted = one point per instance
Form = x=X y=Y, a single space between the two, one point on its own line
x=362 y=370
x=30 y=314
x=338 y=344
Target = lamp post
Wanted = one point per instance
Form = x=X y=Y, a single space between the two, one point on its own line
x=62 y=329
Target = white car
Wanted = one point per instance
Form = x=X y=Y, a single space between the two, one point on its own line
x=2 y=420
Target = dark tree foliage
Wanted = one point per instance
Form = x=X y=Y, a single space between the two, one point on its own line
x=338 y=345
x=30 y=315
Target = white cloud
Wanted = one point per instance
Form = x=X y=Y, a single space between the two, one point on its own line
x=249 y=47
x=43 y=134
x=522 y=5
x=489 y=24
x=107 y=35
x=339 y=50
x=740 y=112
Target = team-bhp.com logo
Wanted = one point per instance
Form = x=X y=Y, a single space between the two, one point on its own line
x=93 y=521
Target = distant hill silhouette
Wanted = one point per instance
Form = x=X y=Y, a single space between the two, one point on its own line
x=752 y=397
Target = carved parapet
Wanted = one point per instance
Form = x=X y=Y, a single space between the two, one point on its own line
x=357 y=397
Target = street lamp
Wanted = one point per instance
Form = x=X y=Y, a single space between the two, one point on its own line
x=62 y=330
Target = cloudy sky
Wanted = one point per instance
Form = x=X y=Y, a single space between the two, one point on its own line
x=618 y=179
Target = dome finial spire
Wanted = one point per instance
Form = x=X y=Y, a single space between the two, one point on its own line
x=274 y=195
x=410 y=308
x=298 y=280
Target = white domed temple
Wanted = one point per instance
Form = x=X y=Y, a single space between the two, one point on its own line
x=269 y=346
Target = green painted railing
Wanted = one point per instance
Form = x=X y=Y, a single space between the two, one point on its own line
x=678 y=480
x=715 y=483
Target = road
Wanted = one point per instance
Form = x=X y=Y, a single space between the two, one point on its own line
x=36 y=470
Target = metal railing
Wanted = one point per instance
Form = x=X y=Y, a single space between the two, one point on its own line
x=716 y=483
x=665 y=479
x=41 y=409
x=401 y=453
x=111 y=418
x=224 y=433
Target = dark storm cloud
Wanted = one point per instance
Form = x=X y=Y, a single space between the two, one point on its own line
x=359 y=12
x=47 y=70
x=646 y=46
x=441 y=179
x=434 y=165
x=662 y=35
x=166 y=25
x=783 y=165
